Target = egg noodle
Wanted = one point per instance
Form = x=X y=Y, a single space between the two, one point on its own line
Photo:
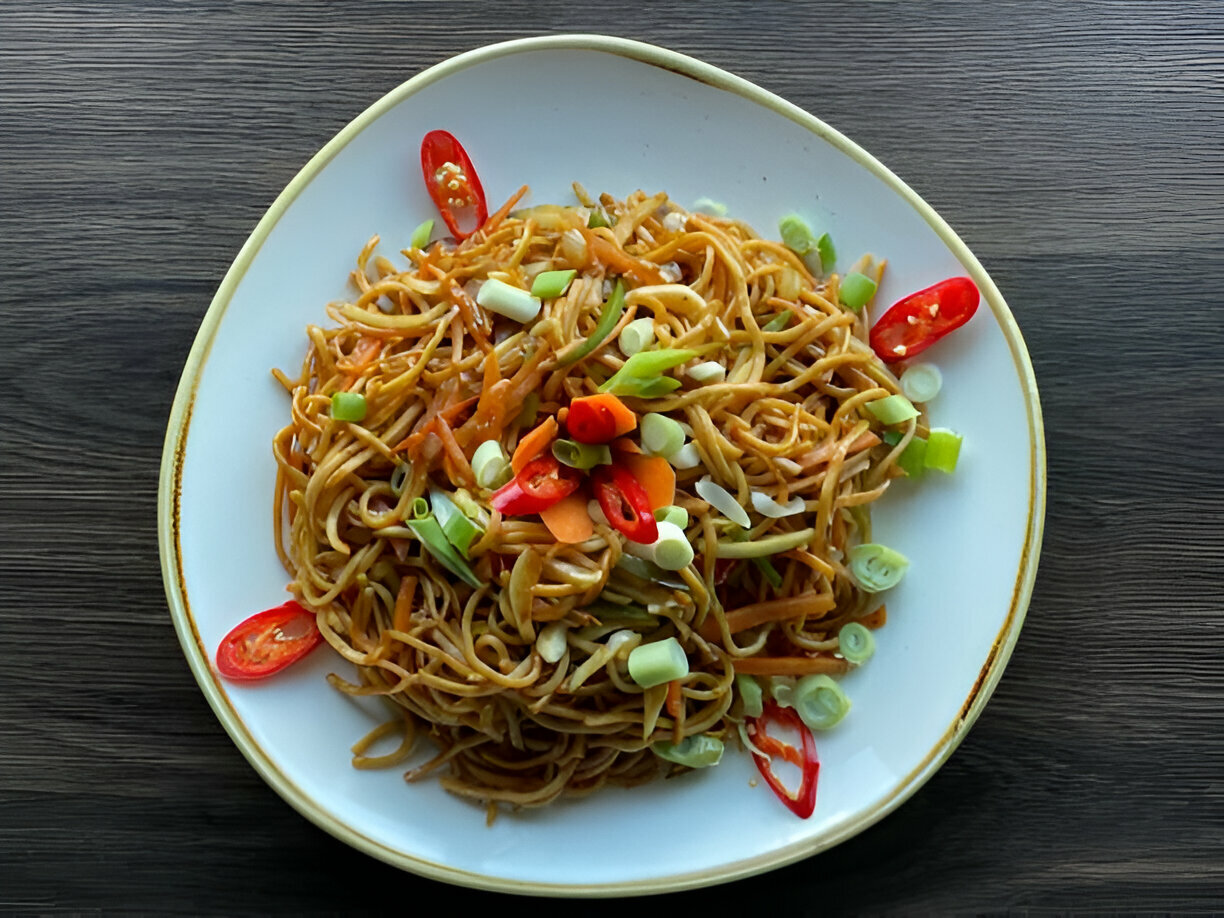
x=440 y=375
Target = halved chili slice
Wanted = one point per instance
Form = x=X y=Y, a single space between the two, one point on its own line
x=916 y=322
x=267 y=642
x=453 y=184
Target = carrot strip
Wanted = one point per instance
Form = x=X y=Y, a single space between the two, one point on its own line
x=568 y=520
x=772 y=610
x=824 y=452
x=499 y=215
x=791 y=666
x=625 y=445
x=623 y=418
x=403 y=603
x=427 y=424
x=875 y=619
x=613 y=256
x=533 y=443
x=656 y=475
x=462 y=468
x=673 y=699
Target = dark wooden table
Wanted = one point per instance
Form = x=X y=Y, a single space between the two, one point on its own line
x=1077 y=148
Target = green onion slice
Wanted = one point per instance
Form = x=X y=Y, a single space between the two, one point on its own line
x=768 y=571
x=892 y=409
x=778 y=323
x=428 y=530
x=460 y=531
x=700 y=751
x=611 y=314
x=399 y=477
x=796 y=234
x=598 y=218
x=531 y=408
x=855 y=642
x=677 y=516
x=348 y=406
x=723 y=501
x=911 y=459
x=942 y=450
x=657 y=662
x=856 y=290
x=820 y=702
x=490 y=465
x=672 y=550
x=750 y=693
x=505 y=300
x=661 y=435
x=921 y=382
x=828 y=254
x=610 y=613
x=581 y=455
x=877 y=567
x=420 y=236
x=710 y=371
x=710 y=206
x=763 y=547
x=549 y=285
x=636 y=336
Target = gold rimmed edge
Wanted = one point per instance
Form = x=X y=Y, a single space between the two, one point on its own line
x=169 y=486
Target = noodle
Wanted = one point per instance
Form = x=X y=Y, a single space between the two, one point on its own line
x=440 y=375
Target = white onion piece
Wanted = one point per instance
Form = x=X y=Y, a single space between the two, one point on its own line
x=767 y=506
x=723 y=501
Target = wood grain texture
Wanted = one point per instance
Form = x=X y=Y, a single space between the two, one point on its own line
x=1077 y=148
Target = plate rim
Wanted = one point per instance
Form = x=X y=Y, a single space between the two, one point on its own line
x=170 y=484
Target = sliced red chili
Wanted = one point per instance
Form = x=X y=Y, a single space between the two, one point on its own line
x=802 y=802
x=625 y=503
x=453 y=184
x=919 y=320
x=542 y=482
x=267 y=642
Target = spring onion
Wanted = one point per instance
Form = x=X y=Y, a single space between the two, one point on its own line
x=598 y=218
x=776 y=324
x=855 y=642
x=819 y=702
x=661 y=435
x=766 y=506
x=767 y=545
x=548 y=285
x=552 y=641
x=910 y=460
x=700 y=751
x=782 y=690
x=640 y=375
x=399 y=477
x=348 y=406
x=796 y=234
x=490 y=465
x=892 y=409
x=768 y=571
x=877 y=567
x=658 y=662
x=856 y=290
x=531 y=408
x=710 y=206
x=647 y=570
x=710 y=371
x=826 y=251
x=677 y=516
x=427 y=529
x=511 y=302
x=460 y=531
x=420 y=236
x=723 y=501
x=581 y=455
x=636 y=336
x=921 y=382
x=687 y=457
x=613 y=308
x=611 y=613
x=751 y=695
x=942 y=450
x=672 y=550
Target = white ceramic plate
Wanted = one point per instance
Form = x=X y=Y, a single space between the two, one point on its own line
x=617 y=116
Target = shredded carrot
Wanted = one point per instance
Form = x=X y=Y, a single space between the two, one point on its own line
x=656 y=475
x=613 y=256
x=791 y=666
x=824 y=452
x=462 y=472
x=673 y=699
x=533 y=443
x=499 y=215
x=772 y=610
x=623 y=418
x=568 y=520
x=403 y=603
x=427 y=425
x=875 y=619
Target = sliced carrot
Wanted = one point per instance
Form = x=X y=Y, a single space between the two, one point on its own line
x=656 y=475
x=625 y=445
x=568 y=520
x=613 y=256
x=623 y=418
x=875 y=619
x=461 y=472
x=791 y=666
x=533 y=443
x=772 y=610
x=673 y=699
x=403 y=603
x=499 y=215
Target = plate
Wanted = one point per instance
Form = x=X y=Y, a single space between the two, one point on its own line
x=617 y=116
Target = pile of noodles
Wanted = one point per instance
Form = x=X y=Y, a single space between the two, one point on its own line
x=440 y=375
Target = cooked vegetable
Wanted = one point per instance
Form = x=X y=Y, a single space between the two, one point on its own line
x=661 y=435
x=767 y=506
x=892 y=409
x=568 y=519
x=856 y=290
x=581 y=455
x=490 y=465
x=613 y=308
x=458 y=529
x=420 y=236
x=599 y=419
x=855 y=643
x=658 y=662
x=768 y=545
x=427 y=529
x=766 y=748
x=750 y=694
x=636 y=336
x=710 y=371
x=644 y=368
x=549 y=285
x=796 y=234
x=453 y=184
x=699 y=751
x=677 y=516
x=625 y=502
x=723 y=501
x=942 y=450
x=877 y=567
x=348 y=406
x=921 y=382
x=820 y=701
x=267 y=642
x=916 y=322
x=511 y=302
x=826 y=251
x=541 y=483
